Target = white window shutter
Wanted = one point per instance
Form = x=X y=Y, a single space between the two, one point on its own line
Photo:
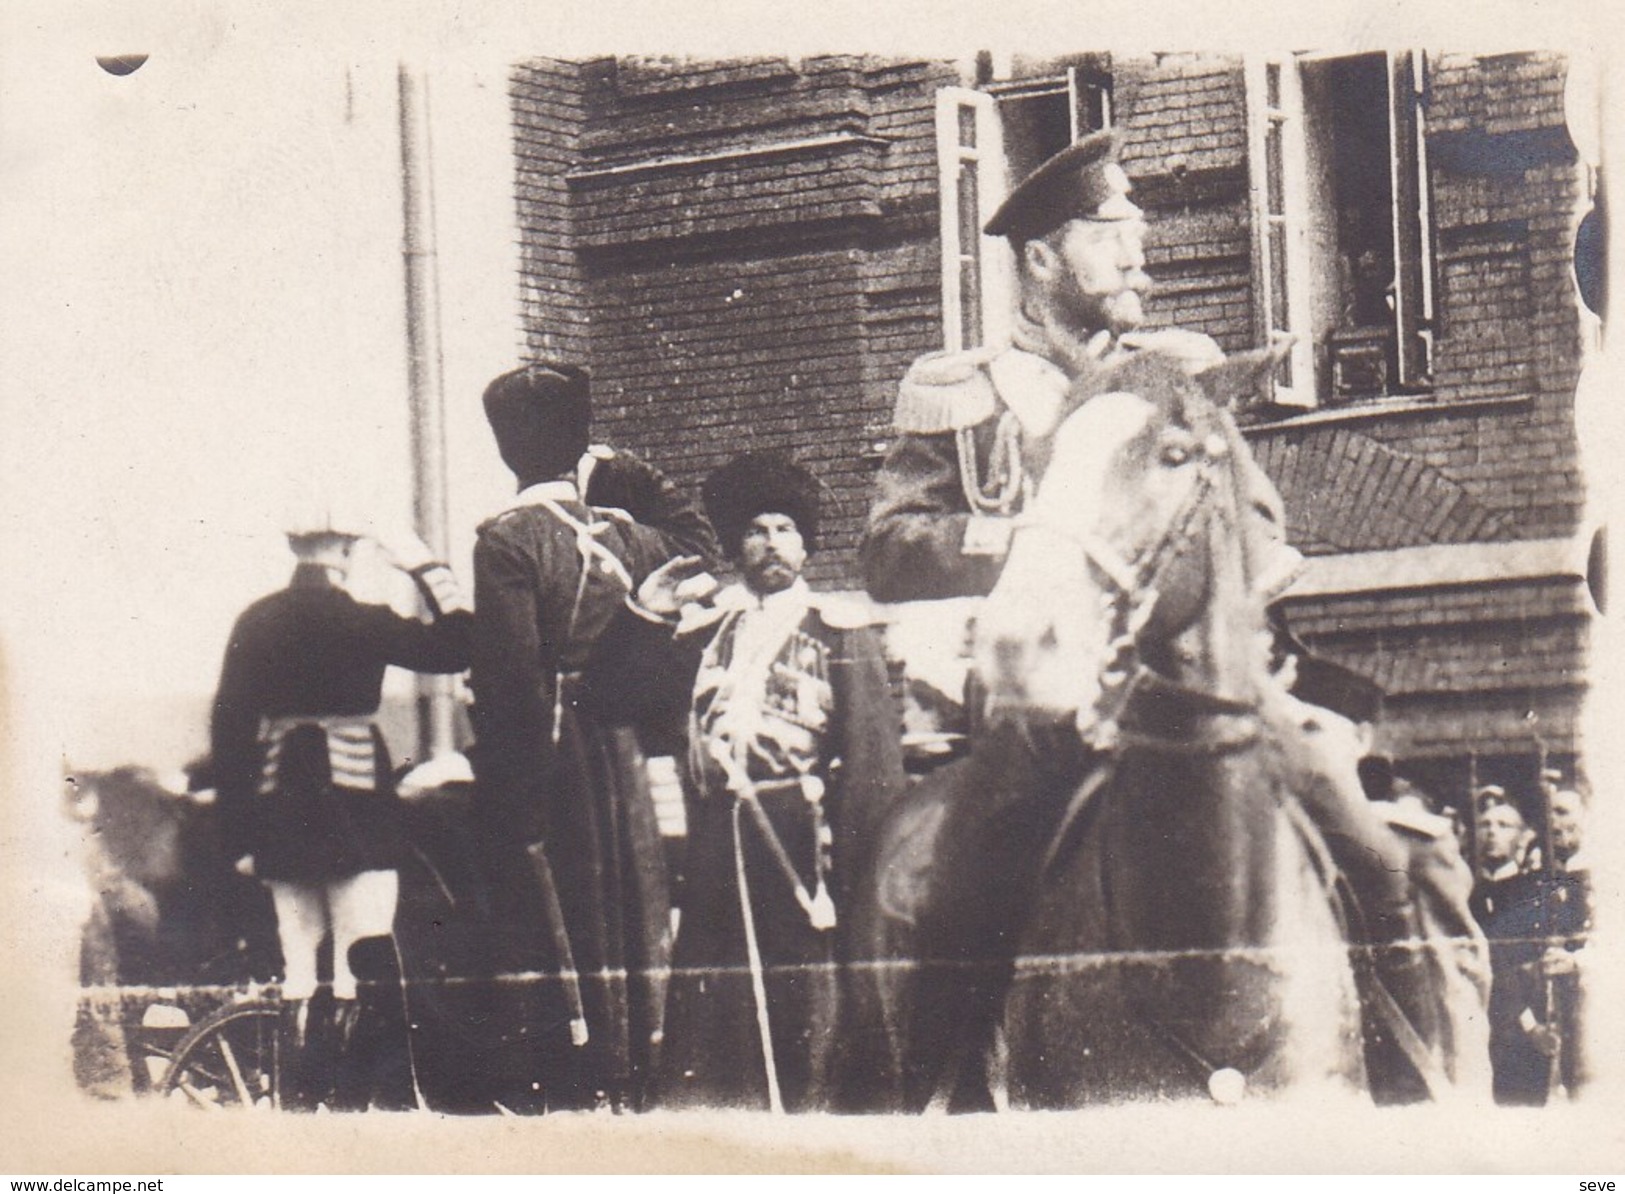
x=1412 y=218
x=1277 y=177
x=977 y=282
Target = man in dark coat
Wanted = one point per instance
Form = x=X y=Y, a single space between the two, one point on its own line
x=305 y=786
x=1536 y=920
x=581 y=912
x=794 y=755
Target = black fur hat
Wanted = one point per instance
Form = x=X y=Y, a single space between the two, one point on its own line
x=541 y=415
x=761 y=483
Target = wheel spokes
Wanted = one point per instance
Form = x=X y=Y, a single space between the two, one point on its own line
x=237 y=1083
x=231 y=1059
x=191 y=1092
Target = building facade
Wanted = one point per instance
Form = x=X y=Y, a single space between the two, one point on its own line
x=749 y=253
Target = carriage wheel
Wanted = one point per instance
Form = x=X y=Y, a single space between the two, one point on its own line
x=231 y=1058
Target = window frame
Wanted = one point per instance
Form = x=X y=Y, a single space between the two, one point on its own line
x=1415 y=255
x=994 y=267
x=1271 y=325
x=994 y=261
x=1410 y=220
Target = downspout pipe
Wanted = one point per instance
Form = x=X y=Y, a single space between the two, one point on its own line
x=426 y=383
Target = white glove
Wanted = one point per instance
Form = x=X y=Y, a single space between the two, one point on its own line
x=403 y=548
x=674 y=584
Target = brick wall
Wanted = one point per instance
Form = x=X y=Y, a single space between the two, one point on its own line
x=1499 y=667
x=754 y=256
x=1346 y=490
x=1184 y=122
x=1505 y=193
x=746 y=253
x=741 y=355
x=902 y=314
x=547 y=115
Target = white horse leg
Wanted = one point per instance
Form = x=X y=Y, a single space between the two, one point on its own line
x=1319 y=1003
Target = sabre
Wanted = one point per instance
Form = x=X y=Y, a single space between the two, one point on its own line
x=739 y=783
x=553 y=913
x=758 y=984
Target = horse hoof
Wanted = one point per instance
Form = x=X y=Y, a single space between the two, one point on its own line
x=1227 y=1086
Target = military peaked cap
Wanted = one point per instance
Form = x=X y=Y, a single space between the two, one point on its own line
x=1335 y=687
x=761 y=483
x=541 y=415
x=1082 y=182
x=1487 y=796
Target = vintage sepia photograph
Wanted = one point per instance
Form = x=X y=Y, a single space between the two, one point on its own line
x=1016 y=599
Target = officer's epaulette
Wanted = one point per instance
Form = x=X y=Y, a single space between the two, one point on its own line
x=846 y=613
x=945 y=391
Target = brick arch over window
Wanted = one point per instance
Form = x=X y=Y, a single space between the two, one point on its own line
x=1345 y=491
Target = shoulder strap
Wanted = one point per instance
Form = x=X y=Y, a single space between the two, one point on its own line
x=592 y=551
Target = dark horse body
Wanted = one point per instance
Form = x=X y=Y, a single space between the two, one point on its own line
x=1196 y=976
x=1117 y=895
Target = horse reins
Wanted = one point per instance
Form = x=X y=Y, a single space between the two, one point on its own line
x=1133 y=596
x=1124 y=673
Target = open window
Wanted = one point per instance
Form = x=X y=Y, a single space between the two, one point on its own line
x=975 y=268
x=986 y=139
x=1343 y=248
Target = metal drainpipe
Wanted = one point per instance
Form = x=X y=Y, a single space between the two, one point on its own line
x=426 y=385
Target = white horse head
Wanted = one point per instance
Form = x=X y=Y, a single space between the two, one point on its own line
x=1110 y=544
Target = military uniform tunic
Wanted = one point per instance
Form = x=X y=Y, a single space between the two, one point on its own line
x=1523 y=915
x=968 y=426
x=302 y=772
x=791 y=713
x=971 y=427
x=560 y=782
x=961 y=419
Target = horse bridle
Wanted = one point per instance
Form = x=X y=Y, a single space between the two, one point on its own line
x=1132 y=594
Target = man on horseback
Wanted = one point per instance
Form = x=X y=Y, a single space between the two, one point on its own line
x=954 y=480
x=974 y=428
x=973 y=425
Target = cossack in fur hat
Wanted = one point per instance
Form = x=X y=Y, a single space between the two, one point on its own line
x=541 y=415
x=761 y=483
x=1082 y=182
